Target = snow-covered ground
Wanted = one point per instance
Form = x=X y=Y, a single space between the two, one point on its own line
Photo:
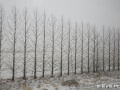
x=85 y=81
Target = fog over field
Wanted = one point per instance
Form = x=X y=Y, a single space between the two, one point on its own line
x=49 y=39
x=99 y=12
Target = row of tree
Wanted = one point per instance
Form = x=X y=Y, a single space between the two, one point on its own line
x=36 y=44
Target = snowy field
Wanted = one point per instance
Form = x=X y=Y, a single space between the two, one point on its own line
x=85 y=81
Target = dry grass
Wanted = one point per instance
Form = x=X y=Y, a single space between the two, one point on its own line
x=26 y=87
x=96 y=79
x=70 y=83
x=55 y=86
x=45 y=89
x=7 y=88
x=38 y=86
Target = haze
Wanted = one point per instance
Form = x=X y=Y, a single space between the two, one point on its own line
x=98 y=12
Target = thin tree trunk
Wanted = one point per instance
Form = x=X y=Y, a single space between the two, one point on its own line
x=69 y=27
x=53 y=40
x=97 y=60
x=114 y=53
x=88 y=47
x=75 y=47
x=109 y=49
x=53 y=50
x=36 y=40
x=44 y=36
x=14 y=43
x=82 y=52
x=94 y=52
x=61 y=45
x=25 y=42
x=1 y=30
x=103 y=49
x=118 y=48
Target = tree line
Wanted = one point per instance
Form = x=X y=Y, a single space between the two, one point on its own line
x=34 y=44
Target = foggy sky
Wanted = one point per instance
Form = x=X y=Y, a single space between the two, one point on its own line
x=98 y=12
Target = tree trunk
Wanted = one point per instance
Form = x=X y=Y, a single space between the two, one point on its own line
x=109 y=49
x=114 y=52
x=61 y=45
x=97 y=60
x=118 y=48
x=1 y=30
x=103 y=49
x=75 y=47
x=94 y=52
x=69 y=27
x=44 y=36
x=88 y=47
x=82 y=52
x=14 y=43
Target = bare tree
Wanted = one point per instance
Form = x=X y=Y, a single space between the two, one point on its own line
x=62 y=27
x=76 y=27
x=14 y=47
x=118 y=49
x=88 y=27
x=109 y=47
x=69 y=29
x=114 y=51
x=53 y=26
x=44 y=42
x=13 y=25
x=82 y=51
x=2 y=17
x=97 y=58
x=36 y=28
x=26 y=28
x=94 y=47
x=103 y=49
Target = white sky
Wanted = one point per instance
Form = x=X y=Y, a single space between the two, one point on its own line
x=99 y=12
